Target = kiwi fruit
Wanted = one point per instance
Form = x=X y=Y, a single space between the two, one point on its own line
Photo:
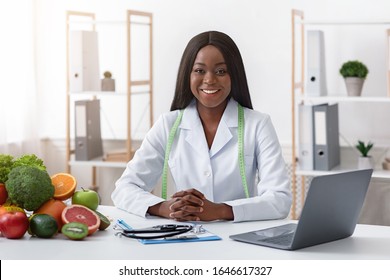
x=75 y=230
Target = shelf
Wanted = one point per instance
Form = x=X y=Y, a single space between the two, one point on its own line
x=128 y=87
x=350 y=22
x=98 y=163
x=329 y=98
x=108 y=22
x=299 y=28
x=107 y=93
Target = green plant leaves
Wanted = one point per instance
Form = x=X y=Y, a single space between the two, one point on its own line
x=354 y=68
x=363 y=148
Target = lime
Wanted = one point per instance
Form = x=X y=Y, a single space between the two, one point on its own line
x=104 y=221
x=29 y=227
x=75 y=230
x=43 y=225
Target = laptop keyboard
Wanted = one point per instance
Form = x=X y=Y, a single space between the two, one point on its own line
x=285 y=239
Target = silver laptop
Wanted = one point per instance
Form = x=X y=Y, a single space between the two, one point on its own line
x=331 y=211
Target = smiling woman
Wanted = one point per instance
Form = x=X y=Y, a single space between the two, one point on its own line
x=213 y=143
x=18 y=97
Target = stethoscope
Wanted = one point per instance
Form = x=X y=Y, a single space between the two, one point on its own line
x=154 y=232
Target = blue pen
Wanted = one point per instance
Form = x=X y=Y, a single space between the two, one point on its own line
x=123 y=224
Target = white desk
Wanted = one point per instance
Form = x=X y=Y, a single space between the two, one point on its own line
x=368 y=242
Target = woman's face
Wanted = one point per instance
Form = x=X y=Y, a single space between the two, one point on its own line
x=210 y=81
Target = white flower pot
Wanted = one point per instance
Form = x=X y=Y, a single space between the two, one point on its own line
x=108 y=84
x=365 y=163
x=354 y=86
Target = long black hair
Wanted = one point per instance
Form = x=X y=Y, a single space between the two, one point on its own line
x=235 y=66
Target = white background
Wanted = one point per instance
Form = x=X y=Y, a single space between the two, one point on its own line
x=302 y=270
x=261 y=29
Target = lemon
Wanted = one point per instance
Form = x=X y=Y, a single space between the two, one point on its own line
x=43 y=226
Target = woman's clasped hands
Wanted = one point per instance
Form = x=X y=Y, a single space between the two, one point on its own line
x=192 y=205
x=186 y=205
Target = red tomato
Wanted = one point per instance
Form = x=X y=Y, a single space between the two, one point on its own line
x=13 y=225
x=3 y=194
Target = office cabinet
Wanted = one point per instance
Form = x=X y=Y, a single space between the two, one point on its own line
x=302 y=93
x=84 y=48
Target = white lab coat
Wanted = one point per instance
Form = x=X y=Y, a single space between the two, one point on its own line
x=215 y=172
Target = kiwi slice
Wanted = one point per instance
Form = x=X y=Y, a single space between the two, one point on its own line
x=104 y=221
x=75 y=230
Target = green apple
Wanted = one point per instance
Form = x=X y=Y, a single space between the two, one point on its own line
x=88 y=198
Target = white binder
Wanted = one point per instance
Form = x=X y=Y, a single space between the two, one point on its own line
x=306 y=144
x=316 y=75
x=84 y=61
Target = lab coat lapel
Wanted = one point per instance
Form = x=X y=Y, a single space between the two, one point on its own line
x=195 y=134
x=193 y=128
x=224 y=135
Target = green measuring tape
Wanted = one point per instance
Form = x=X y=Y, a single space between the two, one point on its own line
x=167 y=152
x=241 y=160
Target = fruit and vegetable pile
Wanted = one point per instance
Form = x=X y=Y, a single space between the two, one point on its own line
x=32 y=201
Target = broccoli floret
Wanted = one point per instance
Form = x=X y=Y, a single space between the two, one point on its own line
x=29 y=187
x=6 y=164
x=29 y=160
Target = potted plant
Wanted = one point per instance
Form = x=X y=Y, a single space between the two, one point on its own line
x=108 y=84
x=354 y=73
x=365 y=161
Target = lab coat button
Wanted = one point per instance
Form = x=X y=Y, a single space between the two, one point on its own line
x=207 y=173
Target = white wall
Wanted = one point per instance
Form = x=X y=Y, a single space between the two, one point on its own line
x=261 y=29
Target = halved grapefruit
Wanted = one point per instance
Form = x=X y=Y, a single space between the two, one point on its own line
x=81 y=214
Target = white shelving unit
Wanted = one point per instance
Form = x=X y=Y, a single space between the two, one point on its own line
x=132 y=86
x=298 y=96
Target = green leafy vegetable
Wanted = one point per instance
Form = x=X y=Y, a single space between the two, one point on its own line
x=29 y=160
x=6 y=164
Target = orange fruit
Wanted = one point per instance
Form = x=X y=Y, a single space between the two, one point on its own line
x=54 y=208
x=64 y=185
x=81 y=214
